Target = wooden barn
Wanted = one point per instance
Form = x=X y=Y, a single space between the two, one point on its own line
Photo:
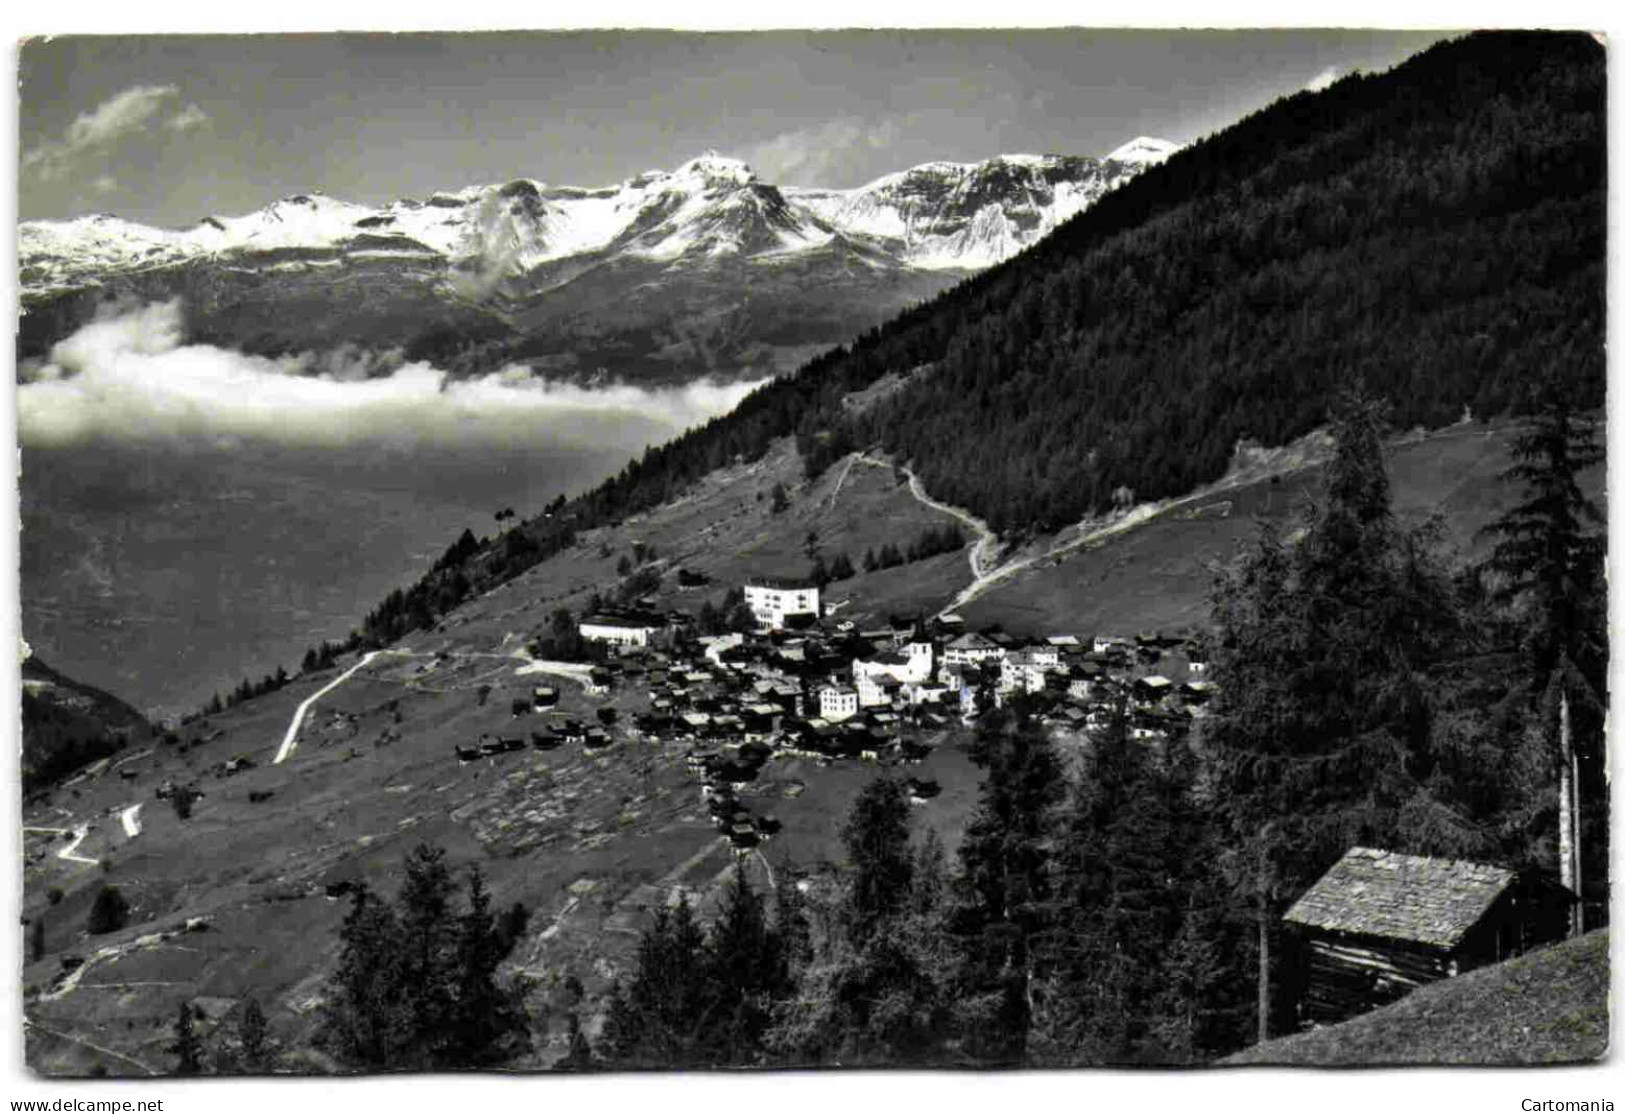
x=1378 y=925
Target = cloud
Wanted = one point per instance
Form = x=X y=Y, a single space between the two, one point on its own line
x=130 y=377
x=1322 y=80
x=92 y=133
x=187 y=118
x=825 y=154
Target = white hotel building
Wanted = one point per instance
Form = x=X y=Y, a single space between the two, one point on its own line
x=774 y=599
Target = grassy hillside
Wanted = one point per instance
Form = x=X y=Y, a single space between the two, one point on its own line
x=590 y=842
x=1159 y=574
x=1547 y=1007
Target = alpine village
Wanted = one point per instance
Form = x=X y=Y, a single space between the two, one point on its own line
x=1183 y=642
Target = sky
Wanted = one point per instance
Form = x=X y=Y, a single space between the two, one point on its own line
x=168 y=129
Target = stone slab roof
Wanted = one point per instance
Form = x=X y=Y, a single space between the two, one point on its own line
x=1401 y=897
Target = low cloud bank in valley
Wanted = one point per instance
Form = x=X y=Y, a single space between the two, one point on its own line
x=131 y=377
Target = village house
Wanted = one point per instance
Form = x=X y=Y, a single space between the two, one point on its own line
x=878 y=690
x=972 y=648
x=1024 y=672
x=1378 y=924
x=775 y=600
x=1150 y=691
x=927 y=692
x=837 y=702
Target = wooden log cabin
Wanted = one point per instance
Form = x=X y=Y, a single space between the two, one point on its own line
x=1379 y=924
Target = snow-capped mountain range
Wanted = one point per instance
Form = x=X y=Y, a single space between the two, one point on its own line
x=674 y=265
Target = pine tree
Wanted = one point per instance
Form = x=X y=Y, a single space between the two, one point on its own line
x=657 y=1021
x=367 y=1020
x=1116 y=907
x=1003 y=904
x=188 y=1049
x=108 y=913
x=881 y=869
x=877 y=992
x=427 y=960
x=251 y=1037
x=746 y=972
x=487 y=1023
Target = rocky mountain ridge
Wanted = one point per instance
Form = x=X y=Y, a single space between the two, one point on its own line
x=705 y=269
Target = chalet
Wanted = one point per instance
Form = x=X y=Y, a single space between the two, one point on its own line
x=1198 y=692
x=774 y=601
x=1150 y=690
x=1378 y=924
x=760 y=720
x=544 y=696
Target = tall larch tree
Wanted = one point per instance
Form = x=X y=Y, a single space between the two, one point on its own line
x=1547 y=571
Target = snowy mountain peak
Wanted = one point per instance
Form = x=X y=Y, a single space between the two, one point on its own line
x=717 y=169
x=939 y=216
x=1143 y=151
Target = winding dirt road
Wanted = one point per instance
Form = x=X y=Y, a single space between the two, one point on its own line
x=71 y=851
x=290 y=741
x=981 y=554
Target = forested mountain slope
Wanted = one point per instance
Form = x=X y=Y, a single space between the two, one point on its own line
x=67 y=723
x=1437 y=231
